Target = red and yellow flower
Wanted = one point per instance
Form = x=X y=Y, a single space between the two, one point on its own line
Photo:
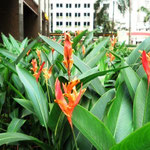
x=70 y=94
x=146 y=64
x=68 y=60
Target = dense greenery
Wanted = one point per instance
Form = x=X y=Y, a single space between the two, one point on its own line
x=113 y=112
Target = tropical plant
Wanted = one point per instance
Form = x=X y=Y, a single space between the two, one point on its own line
x=112 y=114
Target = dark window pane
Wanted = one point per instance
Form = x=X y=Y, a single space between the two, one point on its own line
x=75 y=5
x=88 y=5
x=57 y=5
x=84 y=5
x=78 y=23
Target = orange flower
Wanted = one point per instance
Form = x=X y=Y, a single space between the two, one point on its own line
x=146 y=65
x=47 y=72
x=111 y=56
x=72 y=96
x=68 y=60
x=34 y=64
x=83 y=49
x=39 y=72
x=54 y=39
x=39 y=55
x=113 y=41
x=28 y=52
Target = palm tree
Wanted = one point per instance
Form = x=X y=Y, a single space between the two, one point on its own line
x=101 y=15
x=145 y=10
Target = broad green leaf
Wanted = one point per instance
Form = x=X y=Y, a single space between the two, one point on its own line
x=24 y=43
x=6 y=43
x=119 y=117
x=78 y=63
x=11 y=56
x=92 y=128
x=15 y=125
x=98 y=48
x=78 y=38
x=35 y=94
x=54 y=116
x=6 y=138
x=15 y=90
x=138 y=140
x=135 y=55
x=24 y=52
x=99 y=107
x=94 y=61
x=14 y=43
x=139 y=104
x=98 y=110
x=93 y=73
x=25 y=103
x=131 y=79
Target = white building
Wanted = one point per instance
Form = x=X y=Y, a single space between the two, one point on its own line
x=72 y=15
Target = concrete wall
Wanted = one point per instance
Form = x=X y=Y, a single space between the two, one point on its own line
x=9 y=16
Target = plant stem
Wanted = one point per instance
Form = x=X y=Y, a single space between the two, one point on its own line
x=48 y=136
x=74 y=139
x=48 y=91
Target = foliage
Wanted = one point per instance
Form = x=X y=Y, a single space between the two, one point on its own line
x=113 y=113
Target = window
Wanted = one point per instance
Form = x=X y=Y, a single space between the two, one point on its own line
x=57 y=5
x=69 y=23
x=84 y=5
x=84 y=14
x=84 y=23
x=57 y=14
x=75 y=5
x=75 y=14
x=78 y=14
x=79 y=5
x=78 y=23
x=66 y=5
x=51 y=6
x=61 y=14
x=88 y=5
x=61 y=23
x=57 y=23
x=70 y=5
x=66 y=23
x=69 y=14
x=66 y=14
x=88 y=14
x=61 y=5
x=88 y=23
x=75 y=23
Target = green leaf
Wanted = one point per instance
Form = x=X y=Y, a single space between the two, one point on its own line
x=119 y=117
x=11 y=56
x=35 y=94
x=92 y=128
x=99 y=107
x=14 y=43
x=135 y=55
x=15 y=125
x=6 y=43
x=138 y=140
x=78 y=38
x=24 y=52
x=93 y=73
x=25 y=103
x=6 y=138
x=98 y=48
x=98 y=110
x=78 y=63
x=54 y=116
x=24 y=43
x=131 y=79
x=2 y=100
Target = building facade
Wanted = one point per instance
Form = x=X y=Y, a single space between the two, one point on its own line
x=70 y=15
x=24 y=18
